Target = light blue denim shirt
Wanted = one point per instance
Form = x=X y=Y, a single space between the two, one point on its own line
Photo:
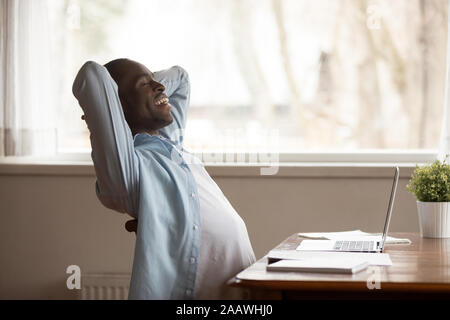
x=146 y=177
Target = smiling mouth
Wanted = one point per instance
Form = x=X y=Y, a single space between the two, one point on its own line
x=161 y=101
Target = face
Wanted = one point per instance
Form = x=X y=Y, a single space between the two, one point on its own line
x=145 y=105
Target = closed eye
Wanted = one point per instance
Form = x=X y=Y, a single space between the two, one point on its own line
x=143 y=80
x=144 y=84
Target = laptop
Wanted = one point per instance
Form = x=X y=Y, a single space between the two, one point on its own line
x=348 y=245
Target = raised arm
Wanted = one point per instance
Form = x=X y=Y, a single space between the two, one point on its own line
x=113 y=154
x=176 y=81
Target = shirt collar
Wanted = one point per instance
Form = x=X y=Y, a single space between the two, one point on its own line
x=144 y=137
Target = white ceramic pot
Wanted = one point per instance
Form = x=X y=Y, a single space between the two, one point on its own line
x=434 y=219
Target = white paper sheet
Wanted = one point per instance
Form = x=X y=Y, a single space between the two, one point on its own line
x=353 y=235
x=375 y=259
x=316 y=245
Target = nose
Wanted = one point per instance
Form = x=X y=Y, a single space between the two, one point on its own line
x=158 y=87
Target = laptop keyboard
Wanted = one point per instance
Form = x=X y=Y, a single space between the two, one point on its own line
x=354 y=246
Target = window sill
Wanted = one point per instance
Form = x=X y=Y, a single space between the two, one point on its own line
x=285 y=169
x=362 y=164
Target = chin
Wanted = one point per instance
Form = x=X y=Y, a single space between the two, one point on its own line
x=165 y=122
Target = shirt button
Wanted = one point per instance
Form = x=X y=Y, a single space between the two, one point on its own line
x=188 y=292
x=192 y=260
x=192 y=195
x=195 y=227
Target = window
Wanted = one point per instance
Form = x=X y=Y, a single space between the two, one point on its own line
x=285 y=75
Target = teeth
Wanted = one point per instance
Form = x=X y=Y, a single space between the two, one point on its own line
x=161 y=101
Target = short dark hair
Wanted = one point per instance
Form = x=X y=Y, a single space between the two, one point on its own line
x=114 y=69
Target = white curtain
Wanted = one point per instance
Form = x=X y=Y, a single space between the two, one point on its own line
x=27 y=108
x=444 y=148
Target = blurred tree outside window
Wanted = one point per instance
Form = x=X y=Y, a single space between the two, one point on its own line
x=344 y=75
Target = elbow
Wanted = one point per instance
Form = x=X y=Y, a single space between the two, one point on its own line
x=90 y=71
x=92 y=67
x=183 y=74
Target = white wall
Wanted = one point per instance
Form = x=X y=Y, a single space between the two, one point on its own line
x=50 y=217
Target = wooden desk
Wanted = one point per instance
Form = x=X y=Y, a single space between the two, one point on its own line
x=419 y=270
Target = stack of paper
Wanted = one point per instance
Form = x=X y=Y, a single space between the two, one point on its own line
x=347 y=266
x=374 y=259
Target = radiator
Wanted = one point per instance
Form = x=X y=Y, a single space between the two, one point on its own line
x=104 y=286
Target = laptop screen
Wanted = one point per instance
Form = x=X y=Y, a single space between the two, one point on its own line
x=390 y=206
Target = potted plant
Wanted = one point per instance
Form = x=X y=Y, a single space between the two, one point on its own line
x=431 y=186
